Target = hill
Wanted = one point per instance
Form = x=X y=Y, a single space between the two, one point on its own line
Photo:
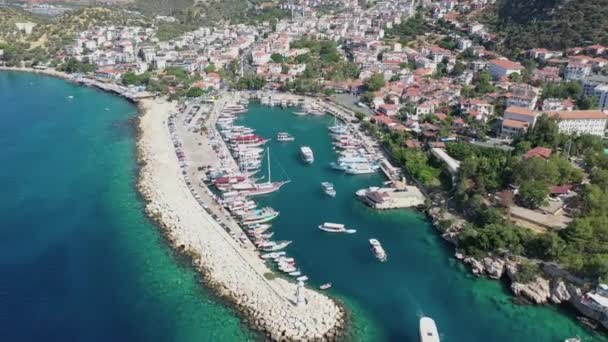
x=553 y=24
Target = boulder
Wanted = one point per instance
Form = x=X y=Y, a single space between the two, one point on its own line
x=559 y=292
x=476 y=266
x=494 y=267
x=537 y=291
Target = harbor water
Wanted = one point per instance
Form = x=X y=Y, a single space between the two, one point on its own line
x=420 y=277
x=79 y=260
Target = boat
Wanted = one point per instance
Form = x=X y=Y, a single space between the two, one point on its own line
x=284 y=137
x=360 y=169
x=277 y=246
x=325 y=286
x=254 y=189
x=302 y=278
x=260 y=216
x=70 y=97
x=572 y=339
x=378 y=250
x=307 y=154
x=106 y=109
x=295 y=273
x=273 y=255
x=335 y=228
x=328 y=189
x=428 y=330
x=300 y=113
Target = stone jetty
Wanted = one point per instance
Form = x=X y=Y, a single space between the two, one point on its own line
x=279 y=309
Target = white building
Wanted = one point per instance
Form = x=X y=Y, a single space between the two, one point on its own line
x=581 y=122
x=516 y=120
x=577 y=71
x=603 y=95
x=500 y=68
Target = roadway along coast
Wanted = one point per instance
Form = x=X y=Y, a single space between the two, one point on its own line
x=232 y=271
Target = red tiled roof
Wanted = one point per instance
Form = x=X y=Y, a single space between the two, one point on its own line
x=561 y=190
x=541 y=152
x=579 y=115
x=506 y=64
x=514 y=124
x=520 y=111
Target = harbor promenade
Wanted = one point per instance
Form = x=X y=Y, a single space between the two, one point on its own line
x=236 y=273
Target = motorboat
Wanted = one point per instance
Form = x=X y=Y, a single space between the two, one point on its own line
x=325 y=286
x=335 y=228
x=328 y=189
x=307 y=155
x=428 y=330
x=378 y=250
x=285 y=137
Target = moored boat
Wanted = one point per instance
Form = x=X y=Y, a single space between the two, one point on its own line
x=285 y=137
x=325 y=286
x=277 y=246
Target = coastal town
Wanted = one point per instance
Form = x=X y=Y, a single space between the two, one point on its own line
x=504 y=151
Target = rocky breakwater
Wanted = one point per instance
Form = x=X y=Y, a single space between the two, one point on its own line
x=267 y=303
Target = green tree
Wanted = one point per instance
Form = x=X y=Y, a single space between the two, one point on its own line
x=533 y=193
x=277 y=58
x=374 y=83
x=195 y=92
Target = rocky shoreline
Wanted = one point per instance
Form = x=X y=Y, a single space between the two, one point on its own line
x=553 y=286
x=264 y=301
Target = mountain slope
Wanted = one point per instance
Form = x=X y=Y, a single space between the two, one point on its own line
x=554 y=24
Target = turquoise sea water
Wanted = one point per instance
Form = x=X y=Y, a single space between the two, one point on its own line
x=420 y=278
x=78 y=259
x=80 y=262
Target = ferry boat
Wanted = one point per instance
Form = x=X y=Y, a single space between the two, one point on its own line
x=277 y=246
x=325 y=286
x=307 y=154
x=260 y=216
x=428 y=330
x=285 y=137
x=328 y=189
x=378 y=250
x=336 y=228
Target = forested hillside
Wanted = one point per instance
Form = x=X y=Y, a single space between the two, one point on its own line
x=555 y=24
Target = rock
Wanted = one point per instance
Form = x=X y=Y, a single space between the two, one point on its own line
x=459 y=255
x=511 y=268
x=537 y=291
x=494 y=267
x=476 y=266
x=559 y=292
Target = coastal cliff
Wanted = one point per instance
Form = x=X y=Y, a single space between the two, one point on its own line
x=237 y=275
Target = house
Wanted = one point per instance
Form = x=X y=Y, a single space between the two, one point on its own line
x=553 y=104
x=597 y=300
x=547 y=74
x=577 y=71
x=603 y=96
x=590 y=84
x=500 y=68
x=596 y=50
x=538 y=152
x=388 y=109
x=522 y=95
x=516 y=120
x=477 y=108
x=581 y=122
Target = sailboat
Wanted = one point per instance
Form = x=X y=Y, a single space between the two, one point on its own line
x=253 y=189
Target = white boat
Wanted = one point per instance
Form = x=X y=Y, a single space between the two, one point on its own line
x=285 y=137
x=378 y=250
x=328 y=189
x=295 y=274
x=428 y=330
x=273 y=255
x=260 y=216
x=277 y=246
x=360 y=169
x=335 y=228
x=307 y=154
x=325 y=286
x=300 y=113
x=302 y=278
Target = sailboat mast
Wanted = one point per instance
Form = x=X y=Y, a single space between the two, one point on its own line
x=268 y=153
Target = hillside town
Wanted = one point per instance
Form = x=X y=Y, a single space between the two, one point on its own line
x=510 y=149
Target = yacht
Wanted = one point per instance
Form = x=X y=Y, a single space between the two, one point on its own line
x=378 y=250
x=325 y=286
x=260 y=216
x=360 y=169
x=336 y=228
x=307 y=154
x=328 y=189
x=273 y=255
x=428 y=330
x=285 y=137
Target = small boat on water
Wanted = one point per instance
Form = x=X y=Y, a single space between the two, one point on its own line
x=307 y=154
x=328 y=189
x=428 y=330
x=284 y=137
x=295 y=273
x=325 y=286
x=277 y=246
x=336 y=228
x=260 y=216
x=572 y=339
x=378 y=250
x=302 y=278
x=273 y=255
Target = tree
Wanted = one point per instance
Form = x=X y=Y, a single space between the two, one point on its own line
x=195 y=92
x=545 y=132
x=533 y=193
x=458 y=69
x=277 y=58
x=374 y=83
x=210 y=68
x=484 y=83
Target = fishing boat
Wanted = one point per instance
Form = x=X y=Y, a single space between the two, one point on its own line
x=277 y=246
x=328 y=189
x=307 y=155
x=428 y=330
x=378 y=250
x=284 y=137
x=260 y=216
x=325 y=286
x=335 y=228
